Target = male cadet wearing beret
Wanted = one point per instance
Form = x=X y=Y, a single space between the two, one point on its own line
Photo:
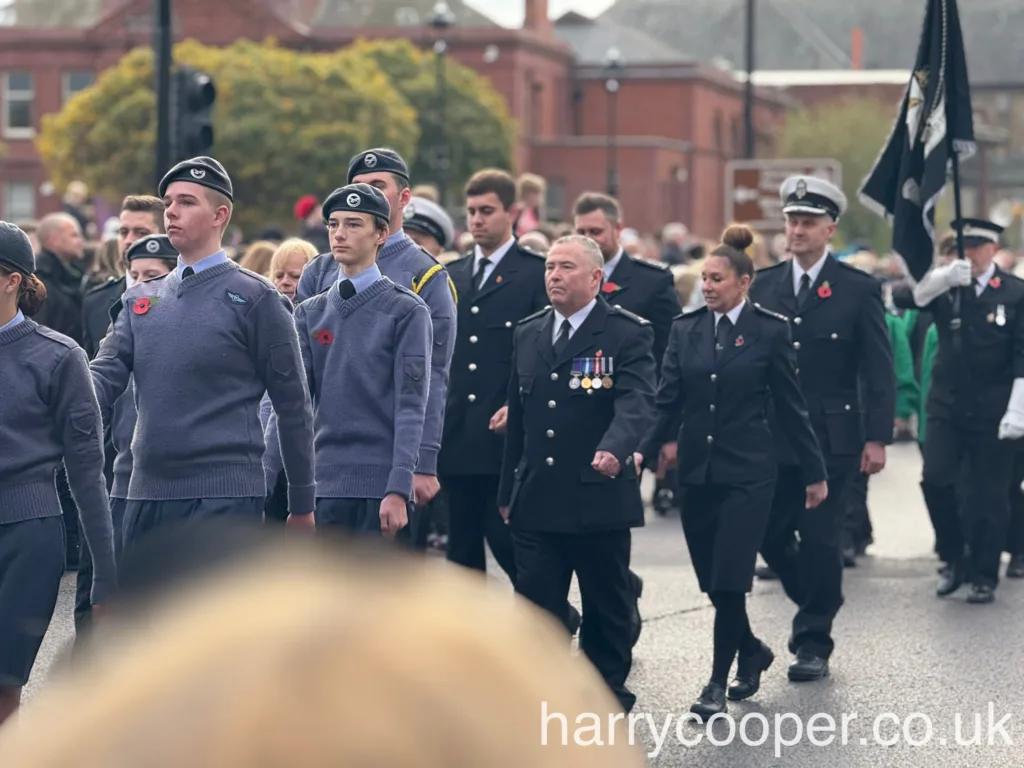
x=581 y=399
x=843 y=352
x=204 y=344
x=429 y=225
x=975 y=407
x=366 y=346
x=410 y=266
x=148 y=258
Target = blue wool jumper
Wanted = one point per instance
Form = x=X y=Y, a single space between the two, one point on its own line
x=407 y=264
x=367 y=361
x=49 y=414
x=202 y=352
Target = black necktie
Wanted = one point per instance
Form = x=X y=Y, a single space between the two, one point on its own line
x=481 y=270
x=805 y=288
x=563 y=337
x=187 y=272
x=722 y=334
x=347 y=289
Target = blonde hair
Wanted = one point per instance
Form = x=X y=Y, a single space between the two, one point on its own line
x=290 y=247
x=313 y=667
x=107 y=261
x=529 y=182
x=257 y=257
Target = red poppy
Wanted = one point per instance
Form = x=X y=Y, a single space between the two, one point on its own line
x=610 y=287
x=141 y=306
x=824 y=291
x=739 y=341
x=995 y=282
x=325 y=337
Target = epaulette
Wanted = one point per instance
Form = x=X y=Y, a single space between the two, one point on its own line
x=530 y=251
x=400 y=288
x=659 y=265
x=535 y=315
x=428 y=254
x=691 y=312
x=618 y=310
x=104 y=286
x=57 y=336
x=265 y=280
x=769 y=313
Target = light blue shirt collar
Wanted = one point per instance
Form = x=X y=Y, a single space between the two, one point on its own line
x=18 y=317
x=364 y=279
x=220 y=257
x=394 y=237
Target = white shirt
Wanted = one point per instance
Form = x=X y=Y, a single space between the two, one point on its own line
x=494 y=258
x=812 y=273
x=982 y=280
x=733 y=315
x=611 y=264
x=575 y=321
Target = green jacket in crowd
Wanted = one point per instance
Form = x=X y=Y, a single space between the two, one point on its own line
x=931 y=343
x=908 y=393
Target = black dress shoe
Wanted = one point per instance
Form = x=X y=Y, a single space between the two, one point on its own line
x=849 y=557
x=950 y=580
x=748 y=673
x=808 y=667
x=1015 y=568
x=664 y=501
x=981 y=593
x=711 y=701
x=764 y=573
x=636 y=623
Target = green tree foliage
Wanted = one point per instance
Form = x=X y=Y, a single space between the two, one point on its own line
x=285 y=124
x=478 y=128
x=852 y=131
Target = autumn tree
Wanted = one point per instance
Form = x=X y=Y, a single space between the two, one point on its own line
x=852 y=131
x=478 y=130
x=285 y=124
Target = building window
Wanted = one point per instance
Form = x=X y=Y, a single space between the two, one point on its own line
x=73 y=82
x=555 y=205
x=19 y=200
x=18 y=97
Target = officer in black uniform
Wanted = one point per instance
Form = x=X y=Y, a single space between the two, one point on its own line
x=580 y=402
x=429 y=225
x=725 y=362
x=843 y=351
x=975 y=407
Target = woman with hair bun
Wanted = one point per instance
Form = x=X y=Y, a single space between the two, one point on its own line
x=725 y=361
x=48 y=416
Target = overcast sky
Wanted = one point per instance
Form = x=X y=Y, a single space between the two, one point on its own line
x=509 y=13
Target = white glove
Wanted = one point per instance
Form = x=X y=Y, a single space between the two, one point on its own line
x=1012 y=425
x=954 y=275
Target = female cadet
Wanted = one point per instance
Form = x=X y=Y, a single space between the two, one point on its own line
x=722 y=362
x=48 y=415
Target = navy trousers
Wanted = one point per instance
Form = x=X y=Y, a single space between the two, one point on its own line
x=360 y=517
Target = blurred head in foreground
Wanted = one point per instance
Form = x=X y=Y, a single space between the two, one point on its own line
x=298 y=659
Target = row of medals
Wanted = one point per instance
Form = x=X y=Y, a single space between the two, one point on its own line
x=592 y=382
x=999 y=318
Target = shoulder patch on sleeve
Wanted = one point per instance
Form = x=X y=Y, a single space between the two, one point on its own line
x=618 y=310
x=535 y=315
x=659 y=265
x=769 y=313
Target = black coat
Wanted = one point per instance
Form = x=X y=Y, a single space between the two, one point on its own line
x=480 y=368
x=96 y=306
x=62 y=310
x=554 y=429
x=973 y=387
x=842 y=343
x=724 y=403
x=645 y=288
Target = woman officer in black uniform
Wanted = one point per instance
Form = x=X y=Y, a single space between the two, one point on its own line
x=722 y=363
x=48 y=415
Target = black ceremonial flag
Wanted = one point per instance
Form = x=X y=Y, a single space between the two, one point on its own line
x=934 y=122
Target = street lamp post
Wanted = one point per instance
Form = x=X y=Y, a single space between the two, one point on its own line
x=613 y=64
x=440 y=20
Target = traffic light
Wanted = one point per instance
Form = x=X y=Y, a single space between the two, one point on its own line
x=194 y=95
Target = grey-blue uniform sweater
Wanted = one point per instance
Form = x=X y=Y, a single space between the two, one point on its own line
x=48 y=414
x=202 y=352
x=122 y=429
x=367 y=361
x=408 y=265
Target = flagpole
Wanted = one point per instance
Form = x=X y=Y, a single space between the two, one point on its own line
x=957 y=323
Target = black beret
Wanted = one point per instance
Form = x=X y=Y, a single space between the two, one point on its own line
x=358 y=198
x=199 y=170
x=377 y=161
x=152 y=247
x=16 y=249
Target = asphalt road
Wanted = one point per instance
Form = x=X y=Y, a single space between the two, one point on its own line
x=905 y=663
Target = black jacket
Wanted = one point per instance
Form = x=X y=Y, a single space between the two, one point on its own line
x=842 y=342
x=724 y=400
x=62 y=310
x=96 y=306
x=645 y=288
x=555 y=428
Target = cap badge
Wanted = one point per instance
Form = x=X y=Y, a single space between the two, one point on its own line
x=153 y=246
x=370 y=161
x=353 y=200
x=409 y=212
x=801 y=189
x=198 y=173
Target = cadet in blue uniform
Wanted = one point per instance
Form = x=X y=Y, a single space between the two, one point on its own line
x=366 y=345
x=48 y=416
x=975 y=407
x=581 y=398
x=408 y=265
x=842 y=342
x=203 y=345
x=725 y=362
